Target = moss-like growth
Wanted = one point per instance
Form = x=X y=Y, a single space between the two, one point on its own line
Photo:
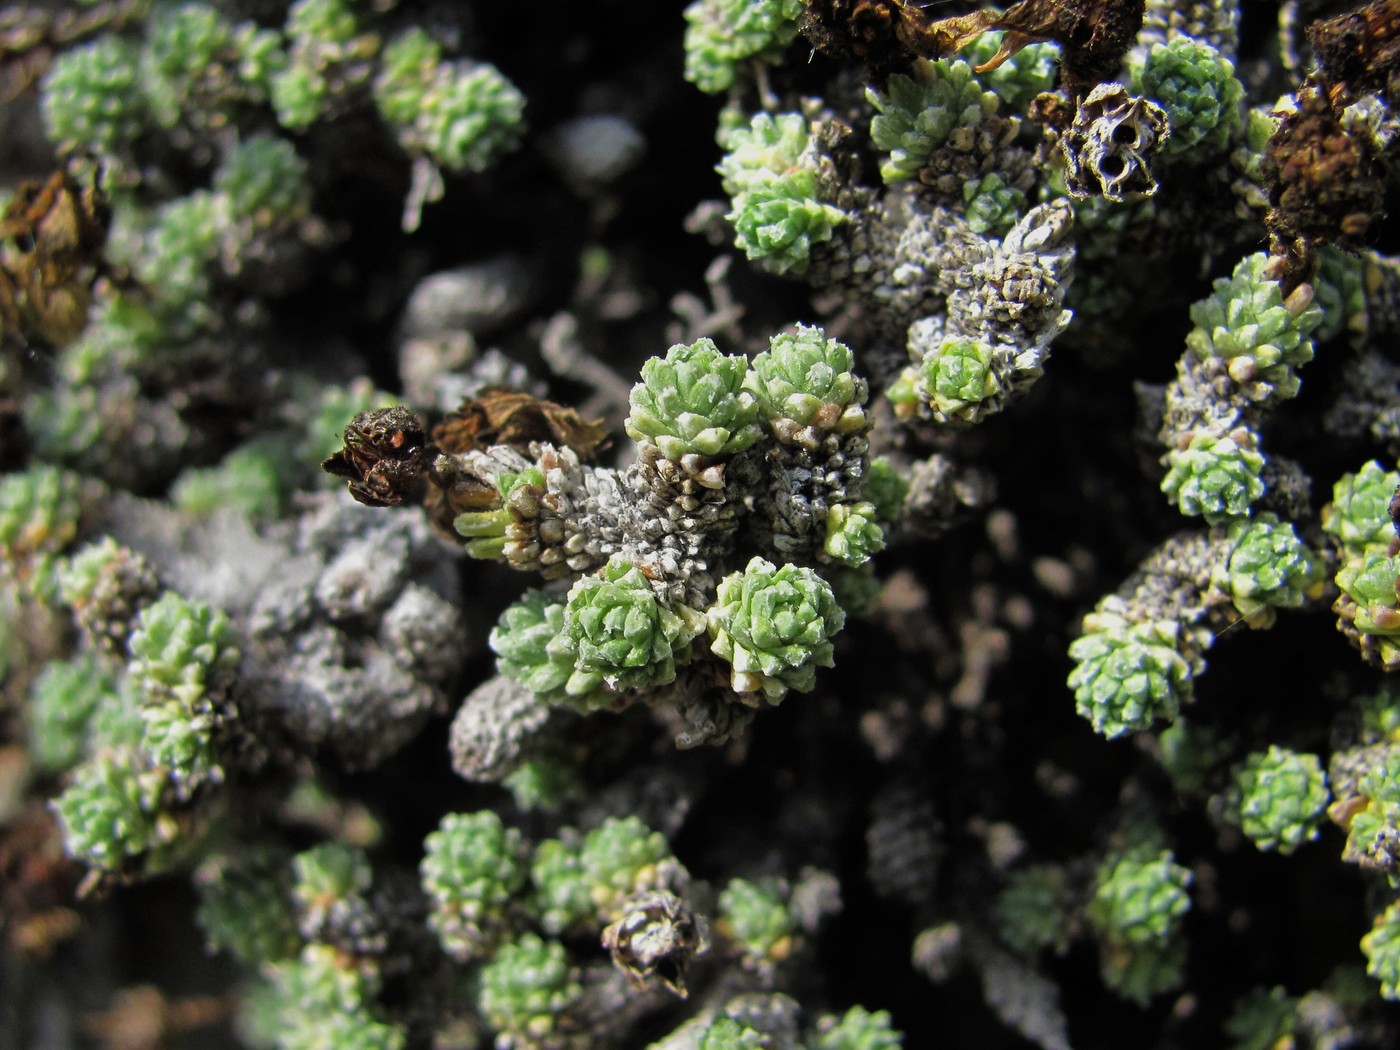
x=1358 y=517
x=1018 y=79
x=183 y=657
x=758 y=152
x=853 y=533
x=857 y=1029
x=1033 y=911
x=181 y=650
x=1191 y=754
x=186 y=66
x=39 y=512
x=247 y=481
x=321 y=999
x=544 y=784
x=1198 y=88
x=109 y=813
x=776 y=225
x=1127 y=677
x=992 y=206
x=1382 y=950
x=327 y=55
x=1282 y=797
x=1262 y=1019
x=407 y=68
x=805 y=380
x=263 y=182
x=324 y=877
x=756 y=917
x=916 y=116
x=1270 y=567
x=621 y=858
x=780 y=205
x=1380 y=714
x=1375 y=827
x=1142 y=972
x=692 y=402
x=774 y=625
x=722 y=35
x=562 y=896
x=1138 y=904
x=1217 y=478
x=461 y=115
x=886 y=490
x=1340 y=295
x=1140 y=897
x=62 y=702
x=178 y=261
x=246 y=908
x=620 y=635
x=472 y=867
x=527 y=990
x=92 y=100
x=1370 y=587
x=532 y=648
x=957 y=379
x=107 y=585
x=725 y=1033
x=1261 y=339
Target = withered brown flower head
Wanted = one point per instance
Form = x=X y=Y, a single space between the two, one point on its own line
x=655 y=940
x=501 y=416
x=1359 y=51
x=51 y=240
x=1325 y=185
x=1094 y=35
x=384 y=456
x=886 y=35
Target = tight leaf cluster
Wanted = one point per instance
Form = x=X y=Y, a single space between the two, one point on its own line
x=1033 y=911
x=1282 y=797
x=756 y=916
x=619 y=634
x=1137 y=907
x=1374 y=830
x=197 y=72
x=472 y=866
x=648 y=543
x=722 y=35
x=780 y=208
x=1198 y=88
x=1381 y=946
x=915 y=116
x=805 y=385
x=460 y=115
x=526 y=988
x=1260 y=338
x=1216 y=478
x=1358 y=520
x=1126 y=677
x=773 y=625
x=321 y=998
x=1269 y=567
x=693 y=401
